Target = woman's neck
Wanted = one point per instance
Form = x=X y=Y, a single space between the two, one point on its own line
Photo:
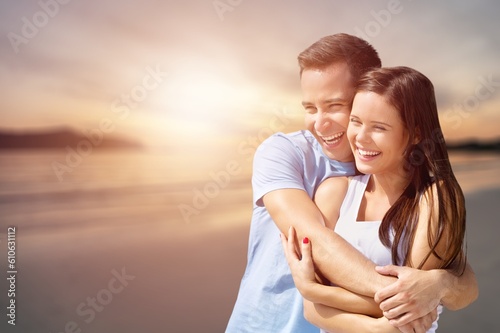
x=391 y=185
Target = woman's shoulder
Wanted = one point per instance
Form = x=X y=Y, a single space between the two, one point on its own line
x=430 y=195
x=333 y=187
x=343 y=182
x=336 y=182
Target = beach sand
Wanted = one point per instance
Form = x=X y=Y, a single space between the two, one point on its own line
x=182 y=277
x=483 y=230
x=177 y=279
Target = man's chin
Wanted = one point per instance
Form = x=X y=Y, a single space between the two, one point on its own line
x=339 y=155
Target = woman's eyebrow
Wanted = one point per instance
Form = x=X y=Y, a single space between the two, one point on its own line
x=380 y=123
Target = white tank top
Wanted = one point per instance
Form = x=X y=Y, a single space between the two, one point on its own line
x=363 y=235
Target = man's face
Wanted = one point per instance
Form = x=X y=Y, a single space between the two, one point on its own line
x=327 y=97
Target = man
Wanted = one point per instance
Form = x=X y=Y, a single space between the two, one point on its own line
x=287 y=170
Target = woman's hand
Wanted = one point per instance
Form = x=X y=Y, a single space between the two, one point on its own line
x=302 y=268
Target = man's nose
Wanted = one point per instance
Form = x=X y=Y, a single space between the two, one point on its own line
x=322 y=121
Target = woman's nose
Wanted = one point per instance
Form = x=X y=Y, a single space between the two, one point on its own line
x=362 y=135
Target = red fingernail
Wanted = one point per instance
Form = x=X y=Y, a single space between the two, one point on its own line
x=305 y=240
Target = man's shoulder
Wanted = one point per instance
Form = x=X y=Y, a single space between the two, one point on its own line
x=302 y=140
x=300 y=136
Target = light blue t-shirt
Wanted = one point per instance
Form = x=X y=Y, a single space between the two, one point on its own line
x=268 y=301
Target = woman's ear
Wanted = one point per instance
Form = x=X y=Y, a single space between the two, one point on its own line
x=416 y=138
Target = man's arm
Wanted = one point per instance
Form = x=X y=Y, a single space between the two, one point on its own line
x=459 y=291
x=276 y=162
x=339 y=262
x=336 y=308
x=278 y=183
x=414 y=287
x=335 y=258
x=453 y=291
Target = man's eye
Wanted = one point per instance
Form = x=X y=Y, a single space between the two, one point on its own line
x=337 y=107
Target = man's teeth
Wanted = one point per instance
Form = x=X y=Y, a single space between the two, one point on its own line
x=367 y=153
x=332 y=138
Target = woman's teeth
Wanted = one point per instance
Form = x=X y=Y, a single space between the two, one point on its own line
x=368 y=153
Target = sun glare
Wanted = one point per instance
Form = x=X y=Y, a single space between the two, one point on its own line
x=201 y=99
x=201 y=106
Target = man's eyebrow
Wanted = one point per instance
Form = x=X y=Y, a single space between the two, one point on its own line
x=328 y=101
x=335 y=101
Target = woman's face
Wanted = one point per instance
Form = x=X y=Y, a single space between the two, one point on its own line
x=377 y=135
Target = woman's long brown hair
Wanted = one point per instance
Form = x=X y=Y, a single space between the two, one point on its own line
x=427 y=163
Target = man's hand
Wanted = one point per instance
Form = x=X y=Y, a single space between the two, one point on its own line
x=415 y=294
x=420 y=325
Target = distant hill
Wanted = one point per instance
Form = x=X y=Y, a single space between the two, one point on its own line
x=60 y=138
x=475 y=146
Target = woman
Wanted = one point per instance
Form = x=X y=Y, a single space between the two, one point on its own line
x=407 y=208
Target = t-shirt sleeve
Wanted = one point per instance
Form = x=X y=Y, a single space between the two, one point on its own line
x=278 y=164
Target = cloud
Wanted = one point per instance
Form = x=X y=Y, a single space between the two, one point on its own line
x=90 y=53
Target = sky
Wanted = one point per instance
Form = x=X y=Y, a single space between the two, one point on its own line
x=198 y=71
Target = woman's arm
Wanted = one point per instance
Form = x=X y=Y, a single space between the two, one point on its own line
x=329 y=197
x=324 y=198
x=339 y=321
x=336 y=318
x=334 y=257
x=426 y=287
x=305 y=280
x=342 y=299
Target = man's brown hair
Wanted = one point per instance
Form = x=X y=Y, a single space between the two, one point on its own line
x=358 y=54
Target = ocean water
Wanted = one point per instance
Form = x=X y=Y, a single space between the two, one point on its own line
x=42 y=188
x=45 y=189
